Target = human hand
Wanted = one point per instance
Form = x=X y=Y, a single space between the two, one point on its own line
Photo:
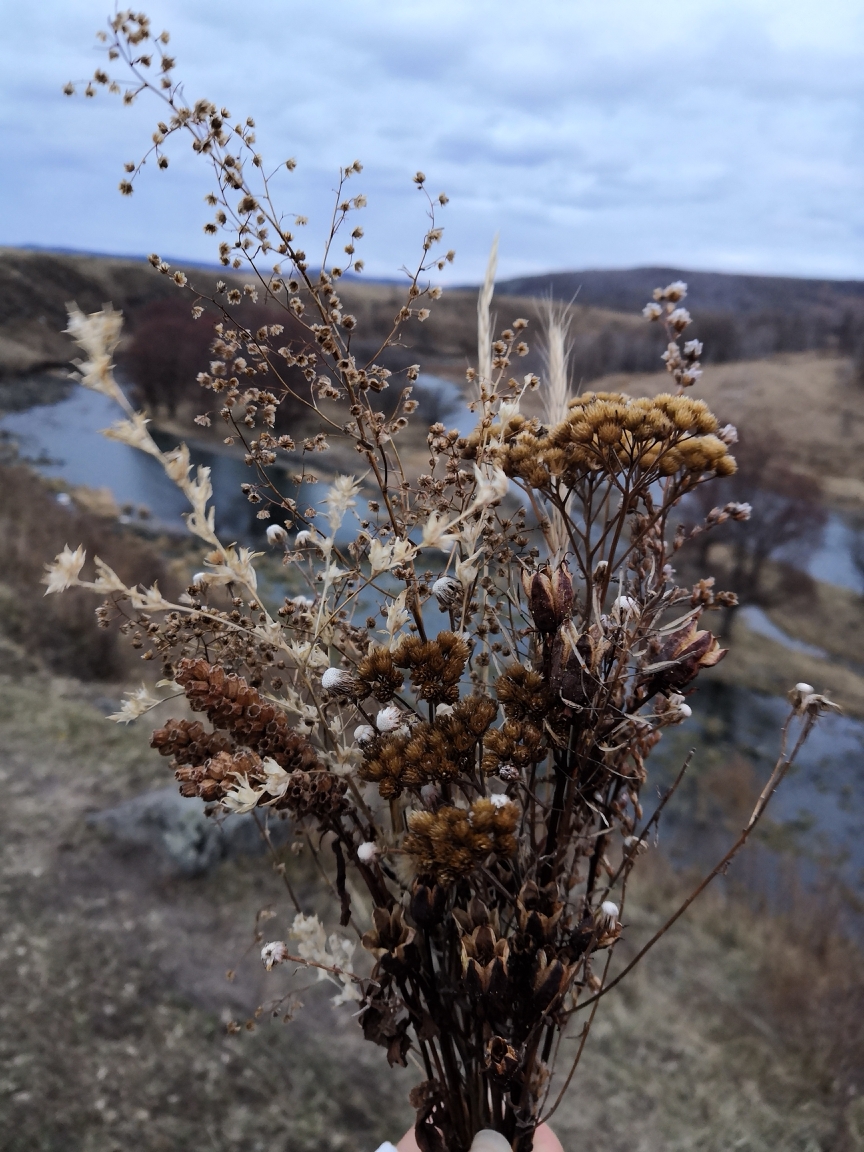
x=545 y=1140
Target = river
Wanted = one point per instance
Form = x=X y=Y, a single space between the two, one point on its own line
x=63 y=440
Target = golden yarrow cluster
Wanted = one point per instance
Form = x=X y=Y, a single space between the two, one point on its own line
x=611 y=433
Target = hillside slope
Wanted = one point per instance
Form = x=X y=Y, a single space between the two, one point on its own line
x=35 y=287
x=738 y=317
x=627 y=289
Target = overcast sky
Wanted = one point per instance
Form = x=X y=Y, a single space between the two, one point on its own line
x=708 y=134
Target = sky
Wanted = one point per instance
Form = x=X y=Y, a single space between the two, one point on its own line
x=723 y=135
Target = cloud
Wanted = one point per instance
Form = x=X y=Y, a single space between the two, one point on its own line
x=706 y=134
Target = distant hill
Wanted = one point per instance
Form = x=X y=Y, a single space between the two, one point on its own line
x=35 y=286
x=627 y=290
x=738 y=317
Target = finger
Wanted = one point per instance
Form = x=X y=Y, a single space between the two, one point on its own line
x=545 y=1140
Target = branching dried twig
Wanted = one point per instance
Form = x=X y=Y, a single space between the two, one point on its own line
x=480 y=781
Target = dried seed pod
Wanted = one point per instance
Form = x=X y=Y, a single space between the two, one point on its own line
x=541 y=600
x=436 y=666
x=428 y=902
x=378 y=676
x=501 y=1061
x=188 y=741
x=339 y=683
x=447 y=591
x=452 y=841
x=232 y=705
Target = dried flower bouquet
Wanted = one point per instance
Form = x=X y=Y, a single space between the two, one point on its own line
x=459 y=707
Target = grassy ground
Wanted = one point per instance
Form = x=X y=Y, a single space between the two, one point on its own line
x=115 y=997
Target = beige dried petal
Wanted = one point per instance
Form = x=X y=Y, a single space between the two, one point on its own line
x=63 y=573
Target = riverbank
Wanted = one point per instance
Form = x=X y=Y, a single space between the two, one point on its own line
x=831 y=620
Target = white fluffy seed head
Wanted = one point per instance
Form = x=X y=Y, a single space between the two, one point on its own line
x=276 y=534
x=499 y=800
x=447 y=591
x=363 y=733
x=635 y=844
x=388 y=719
x=805 y=689
x=609 y=914
x=273 y=953
x=367 y=851
x=338 y=681
x=627 y=606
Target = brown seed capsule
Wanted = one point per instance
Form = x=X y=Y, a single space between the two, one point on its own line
x=501 y=1060
x=541 y=601
x=550 y=597
x=428 y=902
